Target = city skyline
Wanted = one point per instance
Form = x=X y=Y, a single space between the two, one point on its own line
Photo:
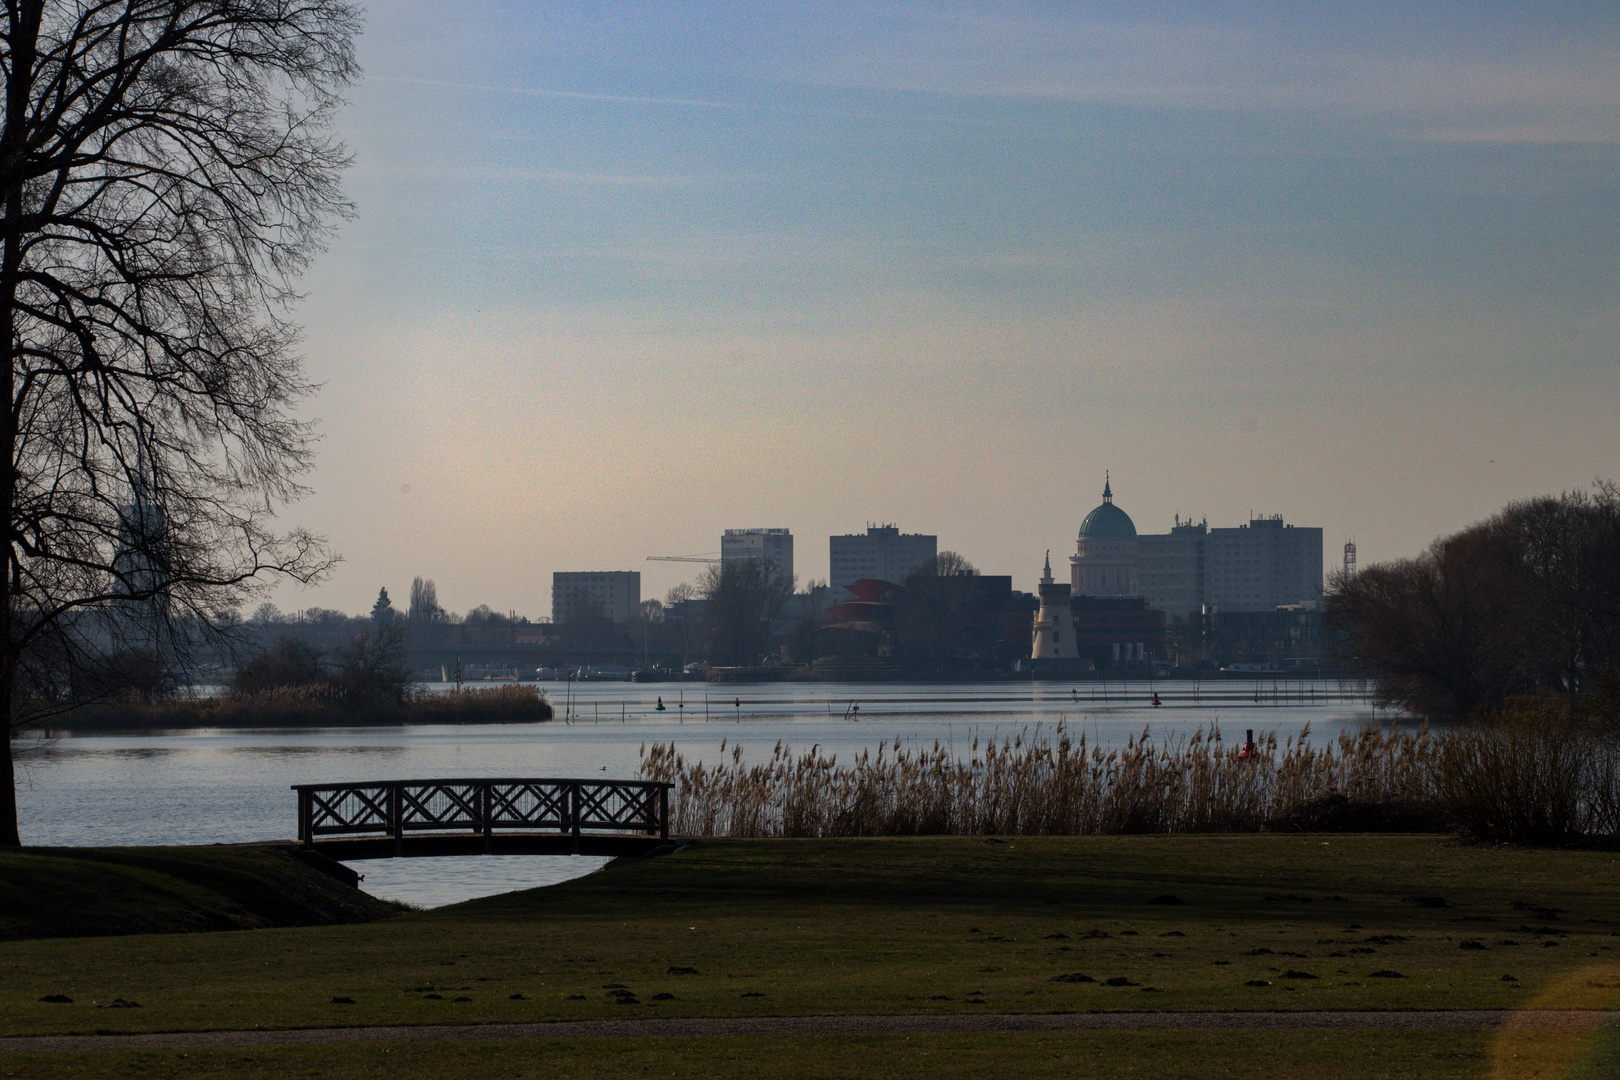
x=624 y=277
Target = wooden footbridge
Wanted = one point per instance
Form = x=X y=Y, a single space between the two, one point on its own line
x=393 y=818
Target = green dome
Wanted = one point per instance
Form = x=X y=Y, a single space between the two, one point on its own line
x=1108 y=522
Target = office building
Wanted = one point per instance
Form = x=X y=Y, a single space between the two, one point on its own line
x=773 y=546
x=616 y=593
x=884 y=553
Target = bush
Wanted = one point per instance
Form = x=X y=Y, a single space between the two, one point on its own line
x=366 y=673
x=1537 y=771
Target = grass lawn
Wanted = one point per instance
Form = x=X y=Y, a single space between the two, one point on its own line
x=789 y=927
x=1353 y=1055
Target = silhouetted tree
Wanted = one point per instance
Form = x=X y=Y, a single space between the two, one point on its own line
x=742 y=602
x=1526 y=602
x=292 y=661
x=484 y=615
x=679 y=604
x=936 y=613
x=382 y=612
x=425 y=601
x=166 y=172
x=370 y=671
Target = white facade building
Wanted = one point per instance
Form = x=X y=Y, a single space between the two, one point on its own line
x=1255 y=567
x=884 y=553
x=616 y=592
x=1104 y=559
x=1053 y=636
x=774 y=546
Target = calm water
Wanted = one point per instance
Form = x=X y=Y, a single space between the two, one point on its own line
x=218 y=786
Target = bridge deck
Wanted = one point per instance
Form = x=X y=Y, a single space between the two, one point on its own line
x=547 y=816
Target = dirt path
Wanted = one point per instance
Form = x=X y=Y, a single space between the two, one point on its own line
x=1460 y=1019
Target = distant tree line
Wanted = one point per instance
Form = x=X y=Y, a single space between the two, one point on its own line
x=366 y=672
x=1525 y=603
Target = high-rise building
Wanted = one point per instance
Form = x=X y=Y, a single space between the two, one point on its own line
x=1255 y=567
x=616 y=593
x=773 y=546
x=884 y=553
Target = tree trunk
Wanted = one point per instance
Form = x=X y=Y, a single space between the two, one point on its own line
x=24 y=19
x=10 y=836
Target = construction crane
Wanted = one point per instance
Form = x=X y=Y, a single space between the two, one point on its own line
x=701 y=557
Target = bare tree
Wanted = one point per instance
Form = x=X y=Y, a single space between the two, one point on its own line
x=678 y=608
x=742 y=604
x=425 y=601
x=936 y=614
x=166 y=172
x=1525 y=602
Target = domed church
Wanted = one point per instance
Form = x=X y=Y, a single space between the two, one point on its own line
x=1105 y=556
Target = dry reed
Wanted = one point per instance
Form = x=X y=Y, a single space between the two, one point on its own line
x=1052 y=783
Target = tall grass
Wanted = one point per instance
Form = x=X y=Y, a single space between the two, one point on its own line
x=1050 y=782
x=1534 y=772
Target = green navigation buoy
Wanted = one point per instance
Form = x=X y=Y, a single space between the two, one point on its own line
x=660 y=705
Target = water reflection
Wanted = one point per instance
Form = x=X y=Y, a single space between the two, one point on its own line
x=450 y=880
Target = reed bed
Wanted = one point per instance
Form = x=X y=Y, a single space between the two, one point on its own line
x=1052 y=782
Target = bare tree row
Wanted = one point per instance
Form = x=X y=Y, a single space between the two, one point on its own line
x=1527 y=602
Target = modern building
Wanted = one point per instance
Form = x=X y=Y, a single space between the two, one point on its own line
x=1255 y=567
x=884 y=553
x=1117 y=631
x=1286 y=638
x=616 y=593
x=773 y=546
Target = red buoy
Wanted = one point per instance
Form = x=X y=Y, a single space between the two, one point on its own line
x=1248 y=750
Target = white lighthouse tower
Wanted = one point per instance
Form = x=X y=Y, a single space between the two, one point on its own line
x=1054 y=623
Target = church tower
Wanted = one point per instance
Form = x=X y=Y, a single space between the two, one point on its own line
x=1054 y=624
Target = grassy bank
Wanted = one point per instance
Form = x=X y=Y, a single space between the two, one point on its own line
x=897 y=926
x=312 y=706
x=81 y=892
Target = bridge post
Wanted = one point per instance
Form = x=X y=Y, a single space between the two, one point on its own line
x=663 y=815
x=396 y=818
x=486 y=815
x=574 y=811
x=306 y=818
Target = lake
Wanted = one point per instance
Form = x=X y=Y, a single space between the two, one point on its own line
x=228 y=786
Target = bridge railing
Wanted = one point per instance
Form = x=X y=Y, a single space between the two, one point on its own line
x=397 y=808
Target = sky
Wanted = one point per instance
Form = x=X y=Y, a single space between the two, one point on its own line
x=625 y=275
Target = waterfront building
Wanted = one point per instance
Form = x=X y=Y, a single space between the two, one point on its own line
x=1052 y=642
x=1104 y=559
x=616 y=593
x=1255 y=567
x=773 y=546
x=884 y=553
x=1117 y=631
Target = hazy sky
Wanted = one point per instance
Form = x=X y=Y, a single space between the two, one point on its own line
x=626 y=275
